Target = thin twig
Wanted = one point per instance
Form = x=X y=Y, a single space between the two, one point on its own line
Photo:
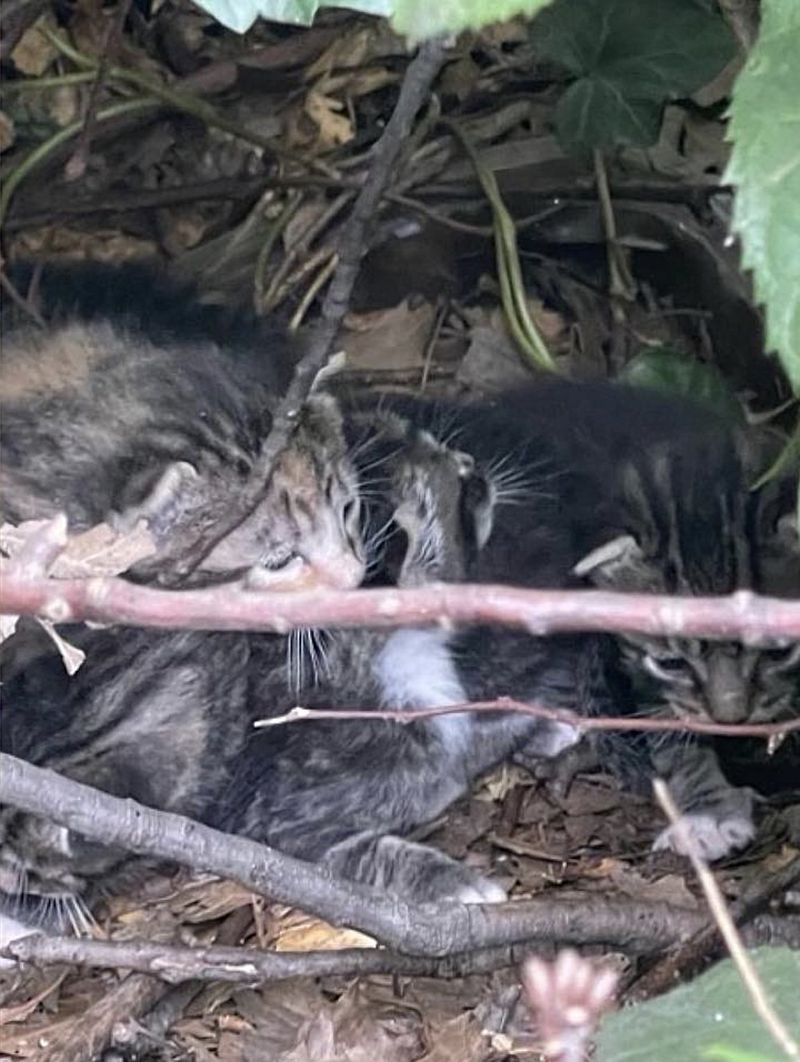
x=742 y=616
x=352 y=246
x=76 y=164
x=541 y=711
x=687 y=959
x=429 y=929
x=716 y=901
x=314 y=288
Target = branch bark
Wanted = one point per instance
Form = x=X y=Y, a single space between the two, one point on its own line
x=431 y=930
x=742 y=616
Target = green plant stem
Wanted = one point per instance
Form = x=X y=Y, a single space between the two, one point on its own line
x=512 y=290
x=277 y=229
x=77 y=77
x=621 y=282
x=40 y=153
x=789 y=453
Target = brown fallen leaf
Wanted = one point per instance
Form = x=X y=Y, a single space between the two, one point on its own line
x=300 y=932
x=22 y=1011
x=388 y=339
x=33 y=52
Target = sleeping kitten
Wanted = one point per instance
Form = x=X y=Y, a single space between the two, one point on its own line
x=165 y=718
x=122 y=418
x=653 y=488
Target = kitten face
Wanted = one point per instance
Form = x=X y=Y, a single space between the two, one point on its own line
x=716 y=552
x=307 y=525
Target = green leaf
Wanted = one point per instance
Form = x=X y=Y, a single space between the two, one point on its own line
x=666 y=370
x=422 y=18
x=765 y=167
x=593 y=114
x=630 y=57
x=714 y=1010
x=239 y=15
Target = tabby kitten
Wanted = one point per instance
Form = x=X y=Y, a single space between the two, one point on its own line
x=166 y=718
x=123 y=417
x=646 y=493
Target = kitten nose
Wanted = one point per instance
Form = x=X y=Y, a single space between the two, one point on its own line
x=335 y=571
x=728 y=695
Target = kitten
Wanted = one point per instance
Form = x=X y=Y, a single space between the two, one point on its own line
x=166 y=718
x=122 y=417
x=647 y=493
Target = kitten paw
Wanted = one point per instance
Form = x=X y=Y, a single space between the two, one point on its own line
x=481 y=890
x=715 y=838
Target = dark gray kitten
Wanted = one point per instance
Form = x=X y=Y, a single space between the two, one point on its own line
x=630 y=490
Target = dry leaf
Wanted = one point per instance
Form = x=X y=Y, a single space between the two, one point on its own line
x=300 y=932
x=34 y=52
x=100 y=551
x=388 y=339
x=457 y=1040
x=7 y=133
x=333 y=128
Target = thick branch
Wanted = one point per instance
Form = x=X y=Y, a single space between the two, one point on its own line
x=179 y=963
x=742 y=616
x=432 y=930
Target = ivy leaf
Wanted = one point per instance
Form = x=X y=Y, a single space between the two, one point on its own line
x=712 y=1017
x=629 y=58
x=239 y=15
x=765 y=167
x=421 y=18
x=663 y=369
x=593 y=113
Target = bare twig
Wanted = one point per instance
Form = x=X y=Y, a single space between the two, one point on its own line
x=431 y=930
x=76 y=164
x=716 y=901
x=179 y=964
x=684 y=961
x=743 y=616
x=414 y=90
x=541 y=711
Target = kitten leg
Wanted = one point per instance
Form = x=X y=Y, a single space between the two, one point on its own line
x=412 y=871
x=718 y=816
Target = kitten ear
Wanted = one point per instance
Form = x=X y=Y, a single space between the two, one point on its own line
x=619 y=563
x=165 y=503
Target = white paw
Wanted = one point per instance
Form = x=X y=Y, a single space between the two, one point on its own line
x=481 y=890
x=713 y=837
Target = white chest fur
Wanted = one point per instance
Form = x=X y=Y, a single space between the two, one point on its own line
x=415 y=670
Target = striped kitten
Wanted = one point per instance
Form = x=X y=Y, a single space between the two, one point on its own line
x=124 y=417
x=629 y=490
x=165 y=718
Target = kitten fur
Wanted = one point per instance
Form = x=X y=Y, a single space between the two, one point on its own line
x=136 y=416
x=647 y=493
x=332 y=792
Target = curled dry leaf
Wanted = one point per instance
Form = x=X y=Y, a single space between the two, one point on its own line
x=300 y=932
x=100 y=551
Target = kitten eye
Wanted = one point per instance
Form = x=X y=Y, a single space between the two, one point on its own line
x=350 y=511
x=667 y=669
x=279 y=559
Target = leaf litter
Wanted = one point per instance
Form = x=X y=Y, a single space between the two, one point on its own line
x=324 y=95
